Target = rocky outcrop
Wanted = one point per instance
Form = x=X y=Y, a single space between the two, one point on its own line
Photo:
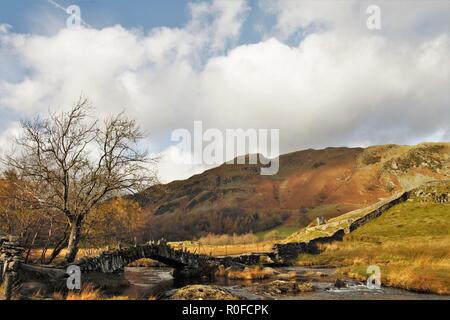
x=253 y=273
x=203 y=292
x=338 y=283
x=437 y=192
x=281 y=287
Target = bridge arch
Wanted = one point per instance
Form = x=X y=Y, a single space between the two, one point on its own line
x=116 y=261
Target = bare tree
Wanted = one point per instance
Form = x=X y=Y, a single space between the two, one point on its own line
x=72 y=162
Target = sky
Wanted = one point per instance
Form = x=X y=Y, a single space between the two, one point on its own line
x=312 y=69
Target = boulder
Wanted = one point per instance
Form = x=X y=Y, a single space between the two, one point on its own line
x=203 y=292
x=281 y=287
x=340 y=284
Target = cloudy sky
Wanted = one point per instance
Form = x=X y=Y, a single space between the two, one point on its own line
x=309 y=68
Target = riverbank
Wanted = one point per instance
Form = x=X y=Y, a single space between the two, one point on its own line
x=308 y=284
x=422 y=273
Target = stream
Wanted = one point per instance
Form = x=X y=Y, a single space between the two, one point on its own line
x=148 y=282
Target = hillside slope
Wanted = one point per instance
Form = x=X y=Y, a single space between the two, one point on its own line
x=410 y=243
x=310 y=183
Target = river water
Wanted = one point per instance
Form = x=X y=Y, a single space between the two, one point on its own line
x=147 y=282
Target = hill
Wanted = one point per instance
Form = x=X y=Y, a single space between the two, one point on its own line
x=409 y=243
x=310 y=183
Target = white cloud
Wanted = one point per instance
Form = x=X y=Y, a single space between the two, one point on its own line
x=170 y=169
x=221 y=20
x=399 y=18
x=337 y=87
x=8 y=135
x=4 y=28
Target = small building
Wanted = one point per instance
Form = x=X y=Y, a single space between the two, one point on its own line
x=321 y=220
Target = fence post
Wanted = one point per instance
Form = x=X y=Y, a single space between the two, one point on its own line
x=8 y=285
x=11 y=258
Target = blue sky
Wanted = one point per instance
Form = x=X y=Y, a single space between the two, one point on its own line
x=99 y=13
x=23 y=15
x=312 y=69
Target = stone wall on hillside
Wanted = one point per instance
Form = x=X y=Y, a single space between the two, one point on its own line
x=287 y=252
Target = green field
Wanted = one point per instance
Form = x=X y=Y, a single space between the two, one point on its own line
x=279 y=232
x=410 y=219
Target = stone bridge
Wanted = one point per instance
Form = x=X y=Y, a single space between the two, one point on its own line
x=185 y=263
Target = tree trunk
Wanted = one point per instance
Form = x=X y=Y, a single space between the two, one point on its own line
x=30 y=247
x=60 y=245
x=74 y=239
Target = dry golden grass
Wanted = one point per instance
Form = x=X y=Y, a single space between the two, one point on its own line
x=87 y=292
x=225 y=239
x=35 y=254
x=144 y=263
x=224 y=250
x=420 y=264
x=248 y=273
x=410 y=243
x=118 y=298
x=305 y=287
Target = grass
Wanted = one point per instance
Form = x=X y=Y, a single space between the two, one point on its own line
x=225 y=239
x=247 y=273
x=87 y=292
x=410 y=219
x=410 y=243
x=35 y=254
x=145 y=263
x=323 y=210
x=223 y=250
x=276 y=233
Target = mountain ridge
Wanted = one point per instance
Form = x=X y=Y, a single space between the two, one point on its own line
x=328 y=182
